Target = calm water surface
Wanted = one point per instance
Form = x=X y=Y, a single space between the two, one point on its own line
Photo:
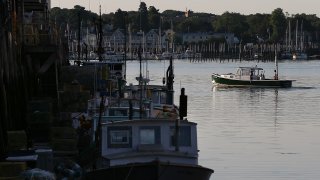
x=250 y=133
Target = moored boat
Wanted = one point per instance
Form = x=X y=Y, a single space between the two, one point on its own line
x=299 y=56
x=146 y=149
x=146 y=138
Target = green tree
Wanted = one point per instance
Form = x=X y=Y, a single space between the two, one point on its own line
x=118 y=19
x=134 y=21
x=258 y=25
x=194 y=24
x=107 y=18
x=231 y=23
x=154 y=17
x=278 y=23
x=143 y=18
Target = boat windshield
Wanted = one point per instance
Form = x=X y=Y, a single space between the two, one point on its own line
x=247 y=71
x=243 y=71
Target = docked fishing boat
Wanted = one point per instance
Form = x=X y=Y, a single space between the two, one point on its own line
x=145 y=136
x=147 y=149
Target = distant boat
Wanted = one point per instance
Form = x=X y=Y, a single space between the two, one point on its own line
x=286 y=55
x=300 y=53
x=251 y=77
x=189 y=54
x=110 y=55
x=299 y=56
x=248 y=77
x=166 y=55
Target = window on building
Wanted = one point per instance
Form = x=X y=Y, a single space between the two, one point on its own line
x=150 y=135
x=119 y=137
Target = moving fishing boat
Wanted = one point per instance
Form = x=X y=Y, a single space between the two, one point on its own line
x=250 y=77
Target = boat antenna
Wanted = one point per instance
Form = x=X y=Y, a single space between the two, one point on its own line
x=79 y=35
x=140 y=82
x=125 y=45
x=98 y=131
x=164 y=73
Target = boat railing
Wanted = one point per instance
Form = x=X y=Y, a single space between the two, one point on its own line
x=150 y=147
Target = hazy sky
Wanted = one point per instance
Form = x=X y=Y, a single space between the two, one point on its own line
x=210 y=6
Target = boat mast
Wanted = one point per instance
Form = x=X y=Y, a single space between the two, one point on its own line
x=100 y=49
x=125 y=46
x=140 y=64
x=301 y=37
x=276 y=74
x=79 y=35
x=290 y=44
x=297 y=23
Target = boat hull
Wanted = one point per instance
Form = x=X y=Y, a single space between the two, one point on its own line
x=218 y=80
x=151 y=171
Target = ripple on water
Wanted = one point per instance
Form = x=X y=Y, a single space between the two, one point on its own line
x=252 y=133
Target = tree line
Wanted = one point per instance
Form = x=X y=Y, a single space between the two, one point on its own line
x=248 y=28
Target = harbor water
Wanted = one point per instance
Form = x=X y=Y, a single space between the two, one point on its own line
x=250 y=133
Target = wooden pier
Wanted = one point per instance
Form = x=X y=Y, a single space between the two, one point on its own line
x=31 y=53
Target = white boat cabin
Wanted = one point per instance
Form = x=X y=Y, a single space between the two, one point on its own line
x=141 y=141
x=246 y=73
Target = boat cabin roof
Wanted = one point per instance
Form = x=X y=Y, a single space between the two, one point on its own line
x=249 y=71
x=148 y=87
x=251 y=68
x=147 y=121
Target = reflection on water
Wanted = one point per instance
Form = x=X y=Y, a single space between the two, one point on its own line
x=266 y=133
x=252 y=133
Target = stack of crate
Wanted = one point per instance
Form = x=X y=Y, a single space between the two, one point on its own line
x=17 y=140
x=12 y=170
x=64 y=141
x=73 y=98
x=40 y=119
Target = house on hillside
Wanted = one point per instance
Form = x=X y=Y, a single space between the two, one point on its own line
x=206 y=36
x=152 y=40
x=116 y=40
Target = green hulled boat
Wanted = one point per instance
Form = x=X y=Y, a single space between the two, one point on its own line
x=249 y=77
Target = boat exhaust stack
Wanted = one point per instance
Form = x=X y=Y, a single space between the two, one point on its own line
x=182 y=114
x=170 y=81
x=183 y=104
